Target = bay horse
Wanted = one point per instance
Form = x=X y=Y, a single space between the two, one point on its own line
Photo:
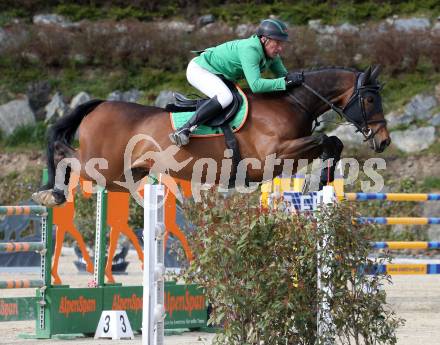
x=278 y=123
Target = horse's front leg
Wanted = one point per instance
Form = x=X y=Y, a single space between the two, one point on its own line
x=310 y=147
x=297 y=153
x=331 y=154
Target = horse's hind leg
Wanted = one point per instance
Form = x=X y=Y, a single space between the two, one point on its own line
x=58 y=194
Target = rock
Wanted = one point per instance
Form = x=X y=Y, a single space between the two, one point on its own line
x=317 y=26
x=52 y=19
x=348 y=28
x=164 y=98
x=327 y=30
x=79 y=99
x=245 y=30
x=348 y=136
x=175 y=25
x=38 y=94
x=390 y=21
x=216 y=27
x=436 y=29
x=314 y=24
x=127 y=96
x=420 y=106
x=358 y=57
x=15 y=114
x=56 y=108
x=121 y=28
x=413 y=140
x=205 y=20
x=411 y=24
x=396 y=119
x=132 y=95
x=435 y=120
x=115 y=96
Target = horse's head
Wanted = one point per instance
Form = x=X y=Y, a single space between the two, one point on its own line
x=364 y=110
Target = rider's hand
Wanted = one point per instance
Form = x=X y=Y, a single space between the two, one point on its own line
x=294 y=79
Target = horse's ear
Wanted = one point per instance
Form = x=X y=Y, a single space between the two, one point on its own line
x=376 y=71
x=367 y=75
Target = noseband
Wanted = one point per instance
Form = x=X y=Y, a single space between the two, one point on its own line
x=354 y=111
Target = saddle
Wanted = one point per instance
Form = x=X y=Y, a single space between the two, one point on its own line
x=183 y=104
x=222 y=120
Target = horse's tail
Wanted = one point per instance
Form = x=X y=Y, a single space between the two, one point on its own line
x=61 y=135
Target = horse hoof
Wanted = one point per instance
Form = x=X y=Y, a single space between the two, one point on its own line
x=45 y=198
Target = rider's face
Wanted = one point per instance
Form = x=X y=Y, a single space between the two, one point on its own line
x=272 y=47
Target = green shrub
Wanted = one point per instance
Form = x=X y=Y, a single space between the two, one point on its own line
x=297 y=12
x=431 y=184
x=29 y=135
x=76 y=12
x=258 y=269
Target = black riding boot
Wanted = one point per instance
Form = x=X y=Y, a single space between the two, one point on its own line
x=206 y=112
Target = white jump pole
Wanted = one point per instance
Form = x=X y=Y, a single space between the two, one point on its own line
x=324 y=318
x=153 y=318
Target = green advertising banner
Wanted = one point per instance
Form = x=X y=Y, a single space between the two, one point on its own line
x=18 y=308
x=78 y=310
x=185 y=305
x=74 y=310
x=128 y=298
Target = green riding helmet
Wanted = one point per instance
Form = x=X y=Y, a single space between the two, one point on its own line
x=274 y=29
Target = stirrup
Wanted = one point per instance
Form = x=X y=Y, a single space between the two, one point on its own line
x=179 y=138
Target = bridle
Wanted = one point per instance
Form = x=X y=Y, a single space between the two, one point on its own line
x=354 y=111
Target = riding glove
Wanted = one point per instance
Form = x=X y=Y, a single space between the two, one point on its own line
x=294 y=79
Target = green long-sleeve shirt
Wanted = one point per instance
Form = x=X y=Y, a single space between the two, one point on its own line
x=244 y=59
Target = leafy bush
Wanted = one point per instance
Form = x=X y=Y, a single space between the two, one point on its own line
x=259 y=271
x=18 y=186
x=133 y=44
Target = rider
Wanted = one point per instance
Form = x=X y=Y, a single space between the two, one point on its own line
x=235 y=60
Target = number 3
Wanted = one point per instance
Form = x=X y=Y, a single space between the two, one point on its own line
x=107 y=324
x=124 y=328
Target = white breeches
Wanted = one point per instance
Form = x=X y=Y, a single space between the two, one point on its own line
x=208 y=83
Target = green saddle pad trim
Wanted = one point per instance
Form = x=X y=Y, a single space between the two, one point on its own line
x=179 y=119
